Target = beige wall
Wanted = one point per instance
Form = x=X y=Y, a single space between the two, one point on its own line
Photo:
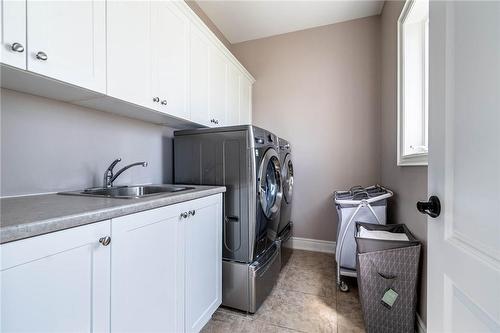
x=336 y=87
x=319 y=89
x=409 y=183
x=201 y=14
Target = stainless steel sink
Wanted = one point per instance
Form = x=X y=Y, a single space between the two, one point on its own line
x=129 y=192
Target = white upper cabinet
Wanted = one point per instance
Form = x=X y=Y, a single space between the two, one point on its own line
x=151 y=60
x=129 y=51
x=217 y=87
x=245 y=86
x=233 y=95
x=13 y=36
x=169 y=45
x=199 y=62
x=67 y=41
x=58 y=282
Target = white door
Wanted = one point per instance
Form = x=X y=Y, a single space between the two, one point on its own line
x=67 y=41
x=13 y=37
x=129 y=52
x=170 y=36
x=245 y=101
x=57 y=282
x=464 y=163
x=199 y=76
x=233 y=96
x=203 y=261
x=147 y=273
x=217 y=87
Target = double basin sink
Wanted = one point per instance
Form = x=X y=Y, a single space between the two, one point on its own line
x=129 y=192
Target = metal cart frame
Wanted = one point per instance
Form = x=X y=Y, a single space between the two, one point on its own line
x=366 y=201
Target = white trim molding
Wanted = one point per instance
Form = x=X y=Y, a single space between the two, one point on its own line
x=421 y=327
x=309 y=244
x=418 y=155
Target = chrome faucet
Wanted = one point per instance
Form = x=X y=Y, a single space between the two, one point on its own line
x=110 y=177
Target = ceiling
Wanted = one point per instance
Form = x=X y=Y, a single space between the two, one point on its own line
x=240 y=21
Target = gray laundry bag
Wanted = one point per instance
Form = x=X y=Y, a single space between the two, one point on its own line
x=388 y=272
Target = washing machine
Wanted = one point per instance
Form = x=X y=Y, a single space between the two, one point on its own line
x=285 y=227
x=246 y=160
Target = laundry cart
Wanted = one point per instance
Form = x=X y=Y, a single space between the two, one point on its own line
x=358 y=204
x=388 y=270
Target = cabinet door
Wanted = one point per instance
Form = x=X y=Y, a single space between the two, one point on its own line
x=13 y=37
x=203 y=261
x=199 y=77
x=245 y=101
x=57 y=282
x=170 y=36
x=67 y=41
x=129 y=51
x=147 y=275
x=233 y=96
x=217 y=87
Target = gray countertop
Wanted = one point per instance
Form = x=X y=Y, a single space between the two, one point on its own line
x=28 y=216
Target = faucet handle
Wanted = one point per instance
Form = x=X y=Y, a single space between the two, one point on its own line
x=114 y=163
x=108 y=174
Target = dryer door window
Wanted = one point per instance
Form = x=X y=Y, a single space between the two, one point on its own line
x=288 y=179
x=270 y=191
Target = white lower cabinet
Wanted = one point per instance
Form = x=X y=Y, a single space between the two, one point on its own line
x=59 y=282
x=203 y=263
x=147 y=271
x=160 y=272
x=166 y=267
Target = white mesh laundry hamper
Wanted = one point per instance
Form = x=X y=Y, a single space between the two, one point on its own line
x=359 y=204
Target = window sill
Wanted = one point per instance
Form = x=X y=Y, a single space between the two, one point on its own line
x=413 y=160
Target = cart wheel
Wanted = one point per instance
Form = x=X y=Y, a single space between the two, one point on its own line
x=343 y=286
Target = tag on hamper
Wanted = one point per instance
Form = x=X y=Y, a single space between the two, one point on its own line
x=389 y=298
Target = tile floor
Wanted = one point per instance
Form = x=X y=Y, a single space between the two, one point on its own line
x=305 y=299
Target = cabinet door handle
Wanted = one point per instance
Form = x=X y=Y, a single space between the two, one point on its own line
x=184 y=215
x=105 y=240
x=17 y=47
x=164 y=102
x=156 y=99
x=192 y=212
x=42 y=56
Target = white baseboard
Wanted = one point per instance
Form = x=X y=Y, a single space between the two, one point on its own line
x=421 y=327
x=309 y=244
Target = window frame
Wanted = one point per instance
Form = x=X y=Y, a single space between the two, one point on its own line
x=416 y=159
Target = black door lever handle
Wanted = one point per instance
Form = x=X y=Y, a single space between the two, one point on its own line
x=431 y=207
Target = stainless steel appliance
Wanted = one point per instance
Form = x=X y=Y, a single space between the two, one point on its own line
x=244 y=159
x=285 y=225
